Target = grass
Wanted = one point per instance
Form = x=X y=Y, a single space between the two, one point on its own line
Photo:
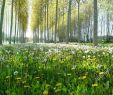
x=55 y=69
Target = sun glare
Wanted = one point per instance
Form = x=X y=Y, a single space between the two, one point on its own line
x=29 y=34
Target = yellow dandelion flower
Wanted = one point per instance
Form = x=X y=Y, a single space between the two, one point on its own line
x=45 y=92
x=101 y=73
x=84 y=77
x=94 y=85
x=19 y=78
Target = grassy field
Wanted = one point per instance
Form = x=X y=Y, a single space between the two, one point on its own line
x=55 y=69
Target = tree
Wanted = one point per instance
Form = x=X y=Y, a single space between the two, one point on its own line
x=11 y=20
x=68 y=22
x=56 y=20
x=95 y=38
x=78 y=1
x=1 y=20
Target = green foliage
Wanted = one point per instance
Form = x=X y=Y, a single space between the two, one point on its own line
x=55 y=70
x=21 y=10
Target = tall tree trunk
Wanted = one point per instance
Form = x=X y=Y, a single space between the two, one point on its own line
x=68 y=22
x=15 y=37
x=108 y=24
x=95 y=41
x=47 y=20
x=78 y=21
x=1 y=20
x=56 y=23
x=11 y=22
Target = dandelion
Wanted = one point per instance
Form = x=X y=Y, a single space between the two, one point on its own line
x=45 y=92
x=83 y=56
x=84 y=77
x=58 y=84
x=101 y=73
x=89 y=56
x=94 y=85
x=16 y=72
x=19 y=78
x=103 y=53
x=86 y=51
x=57 y=90
x=99 y=66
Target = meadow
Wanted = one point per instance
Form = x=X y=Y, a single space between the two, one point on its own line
x=39 y=69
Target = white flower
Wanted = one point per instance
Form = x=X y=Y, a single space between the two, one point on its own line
x=89 y=56
x=86 y=51
x=83 y=56
x=16 y=72
x=99 y=66
x=103 y=53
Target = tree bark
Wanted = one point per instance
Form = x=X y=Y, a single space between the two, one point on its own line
x=1 y=20
x=11 y=22
x=95 y=38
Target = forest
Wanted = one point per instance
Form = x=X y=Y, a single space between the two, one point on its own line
x=56 y=47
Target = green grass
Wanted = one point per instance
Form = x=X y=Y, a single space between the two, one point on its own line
x=49 y=69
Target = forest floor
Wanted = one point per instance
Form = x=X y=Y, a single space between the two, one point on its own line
x=56 y=69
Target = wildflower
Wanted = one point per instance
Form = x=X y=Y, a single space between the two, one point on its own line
x=7 y=77
x=23 y=82
x=26 y=86
x=37 y=77
x=58 y=84
x=99 y=66
x=103 y=53
x=16 y=72
x=45 y=92
x=69 y=74
x=94 y=85
x=86 y=51
x=83 y=56
x=73 y=68
x=19 y=78
x=101 y=73
x=84 y=77
x=89 y=56
x=57 y=90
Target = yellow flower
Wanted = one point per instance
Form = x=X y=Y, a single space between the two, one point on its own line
x=94 y=85
x=101 y=73
x=73 y=68
x=19 y=78
x=45 y=92
x=58 y=84
x=83 y=77
x=26 y=86
x=57 y=90
x=7 y=77
x=69 y=74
